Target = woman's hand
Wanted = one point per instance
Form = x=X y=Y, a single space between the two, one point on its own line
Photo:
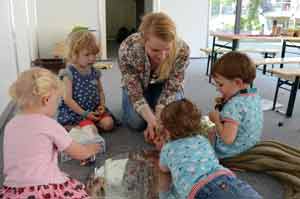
x=152 y=123
x=150 y=131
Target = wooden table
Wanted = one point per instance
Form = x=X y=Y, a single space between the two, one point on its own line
x=233 y=41
x=129 y=175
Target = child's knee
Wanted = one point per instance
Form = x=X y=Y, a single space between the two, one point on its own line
x=107 y=123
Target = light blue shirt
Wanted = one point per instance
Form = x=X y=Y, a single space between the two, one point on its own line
x=189 y=160
x=245 y=110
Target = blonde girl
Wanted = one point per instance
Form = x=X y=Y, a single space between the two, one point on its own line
x=32 y=140
x=84 y=97
x=152 y=63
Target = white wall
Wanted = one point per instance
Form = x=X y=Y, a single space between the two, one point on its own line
x=32 y=22
x=8 y=68
x=191 y=18
x=14 y=45
x=22 y=31
x=120 y=13
x=56 y=18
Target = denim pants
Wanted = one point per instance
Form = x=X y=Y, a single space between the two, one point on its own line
x=227 y=187
x=130 y=117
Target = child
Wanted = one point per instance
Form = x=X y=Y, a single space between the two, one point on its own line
x=84 y=97
x=239 y=118
x=33 y=138
x=195 y=170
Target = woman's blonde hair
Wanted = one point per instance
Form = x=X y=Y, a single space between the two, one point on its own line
x=181 y=118
x=161 y=26
x=81 y=40
x=32 y=85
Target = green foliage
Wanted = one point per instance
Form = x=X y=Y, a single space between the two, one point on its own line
x=217 y=4
x=251 y=21
x=79 y=28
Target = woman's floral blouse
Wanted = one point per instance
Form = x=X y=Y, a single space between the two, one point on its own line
x=135 y=68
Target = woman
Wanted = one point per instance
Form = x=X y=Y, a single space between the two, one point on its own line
x=152 y=62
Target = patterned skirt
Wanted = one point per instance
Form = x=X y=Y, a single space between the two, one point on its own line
x=69 y=189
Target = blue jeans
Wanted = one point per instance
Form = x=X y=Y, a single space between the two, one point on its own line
x=130 y=117
x=227 y=187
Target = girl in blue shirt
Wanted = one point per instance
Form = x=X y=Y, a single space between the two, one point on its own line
x=239 y=116
x=189 y=157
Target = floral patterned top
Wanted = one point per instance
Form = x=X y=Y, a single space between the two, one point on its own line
x=136 y=71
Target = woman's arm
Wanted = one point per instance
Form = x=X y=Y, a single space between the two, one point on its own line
x=81 y=152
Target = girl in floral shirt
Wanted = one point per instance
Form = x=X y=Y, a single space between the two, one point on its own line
x=152 y=63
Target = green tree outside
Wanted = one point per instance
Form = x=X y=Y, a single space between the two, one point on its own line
x=251 y=21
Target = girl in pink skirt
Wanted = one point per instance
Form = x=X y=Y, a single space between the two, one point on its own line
x=32 y=140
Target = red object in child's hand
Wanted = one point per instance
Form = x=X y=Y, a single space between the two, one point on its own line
x=85 y=123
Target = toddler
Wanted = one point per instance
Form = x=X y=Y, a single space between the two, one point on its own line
x=32 y=140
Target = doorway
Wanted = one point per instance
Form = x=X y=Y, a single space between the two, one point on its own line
x=123 y=20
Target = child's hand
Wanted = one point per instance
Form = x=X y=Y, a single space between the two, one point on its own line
x=219 y=101
x=101 y=109
x=93 y=116
x=214 y=116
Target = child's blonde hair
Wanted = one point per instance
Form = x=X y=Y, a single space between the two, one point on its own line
x=32 y=85
x=162 y=26
x=181 y=118
x=81 y=40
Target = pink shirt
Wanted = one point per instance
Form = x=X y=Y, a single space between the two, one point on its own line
x=31 y=145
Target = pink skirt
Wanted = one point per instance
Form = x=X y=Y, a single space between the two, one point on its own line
x=70 y=189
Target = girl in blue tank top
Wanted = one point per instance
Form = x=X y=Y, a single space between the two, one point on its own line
x=84 y=97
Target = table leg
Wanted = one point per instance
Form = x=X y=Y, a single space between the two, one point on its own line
x=283 y=51
x=212 y=61
x=276 y=94
x=235 y=44
x=293 y=94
